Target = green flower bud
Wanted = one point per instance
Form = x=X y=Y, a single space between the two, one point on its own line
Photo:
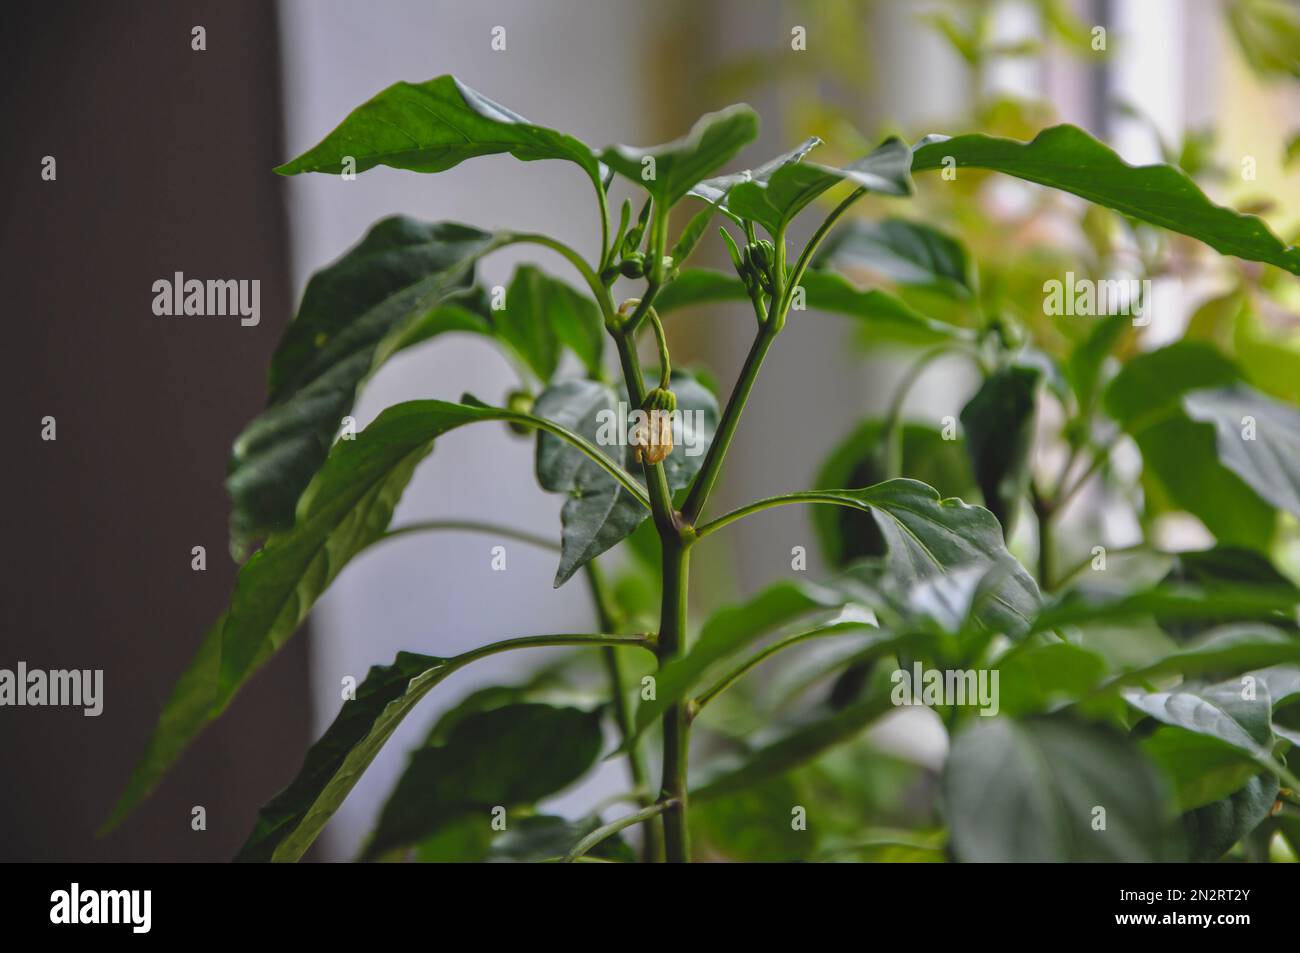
x=519 y=402
x=633 y=266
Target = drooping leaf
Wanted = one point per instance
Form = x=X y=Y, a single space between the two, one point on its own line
x=405 y=281
x=1220 y=711
x=847 y=535
x=1200 y=768
x=1258 y=439
x=345 y=509
x=288 y=824
x=1178 y=452
x=1028 y=791
x=775 y=201
x=999 y=426
x=1067 y=158
x=903 y=251
x=668 y=171
x=542 y=317
x=926 y=535
x=599 y=513
x=1213 y=829
x=433 y=126
x=504 y=757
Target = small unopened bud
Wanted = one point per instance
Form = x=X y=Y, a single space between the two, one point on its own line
x=633 y=266
x=519 y=402
x=652 y=436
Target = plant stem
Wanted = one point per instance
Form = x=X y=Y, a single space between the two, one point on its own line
x=712 y=465
x=1043 y=511
x=604 y=832
x=471 y=526
x=676 y=723
x=618 y=687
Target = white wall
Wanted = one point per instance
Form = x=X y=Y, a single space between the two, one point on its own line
x=570 y=65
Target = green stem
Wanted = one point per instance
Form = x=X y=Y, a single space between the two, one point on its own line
x=809 y=496
x=661 y=501
x=472 y=526
x=649 y=812
x=676 y=722
x=750 y=663
x=665 y=364
x=712 y=466
x=805 y=256
x=607 y=617
x=1043 y=511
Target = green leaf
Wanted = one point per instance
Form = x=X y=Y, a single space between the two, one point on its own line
x=406 y=281
x=542 y=317
x=999 y=426
x=791 y=187
x=1168 y=601
x=1044 y=676
x=1178 y=452
x=433 y=126
x=599 y=513
x=546 y=837
x=1027 y=791
x=1268 y=32
x=1067 y=158
x=905 y=252
x=505 y=757
x=928 y=536
x=187 y=710
x=288 y=824
x=885 y=318
x=345 y=509
x=732 y=628
x=669 y=171
x=1200 y=768
x=788 y=746
x=1258 y=439
x=1088 y=358
x=1214 y=828
x=846 y=534
x=1218 y=568
x=754 y=826
x=714 y=191
x=1217 y=711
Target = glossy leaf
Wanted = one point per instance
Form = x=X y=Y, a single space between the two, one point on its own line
x=599 y=513
x=714 y=190
x=1067 y=158
x=999 y=426
x=291 y=821
x=774 y=202
x=1220 y=568
x=1178 y=452
x=405 y=281
x=668 y=171
x=1026 y=791
x=504 y=757
x=902 y=251
x=433 y=126
x=1258 y=439
x=1217 y=711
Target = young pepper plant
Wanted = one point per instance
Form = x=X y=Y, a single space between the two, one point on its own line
x=946 y=591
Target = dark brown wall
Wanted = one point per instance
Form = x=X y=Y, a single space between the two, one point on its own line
x=163 y=165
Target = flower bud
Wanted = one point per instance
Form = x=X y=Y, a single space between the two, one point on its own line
x=632 y=266
x=652 y=435
x=519 y=402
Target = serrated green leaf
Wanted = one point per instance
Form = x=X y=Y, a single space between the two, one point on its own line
x=504 y=757
x=1067 y=158
x=433 y=126
x=1027 y=791
x=669 y=171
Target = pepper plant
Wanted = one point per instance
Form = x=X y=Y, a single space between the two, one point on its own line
x=1086 y=750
